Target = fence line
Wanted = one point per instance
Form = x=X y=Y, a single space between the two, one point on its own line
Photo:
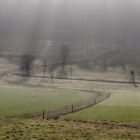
x=101 y=96
x=56 y=114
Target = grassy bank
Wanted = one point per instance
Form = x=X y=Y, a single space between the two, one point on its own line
x=18 y=100
x=56 y=130
x=122 y=106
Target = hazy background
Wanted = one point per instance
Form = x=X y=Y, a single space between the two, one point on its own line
x=107 y=29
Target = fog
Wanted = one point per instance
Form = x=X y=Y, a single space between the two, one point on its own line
x=86 y=24
x=69 y=19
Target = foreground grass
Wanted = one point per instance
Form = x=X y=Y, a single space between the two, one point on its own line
x=61 y=130
x=16 y=100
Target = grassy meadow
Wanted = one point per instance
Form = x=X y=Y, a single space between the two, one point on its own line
x=18 y=100
x=116 y=118
x=122 y=106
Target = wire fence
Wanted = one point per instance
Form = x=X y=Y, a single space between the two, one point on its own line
x=57 y=113
x=101 y=96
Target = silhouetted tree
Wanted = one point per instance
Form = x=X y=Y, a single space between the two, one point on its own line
x=51 y=71
x=44 y=67
x=64 y=53
x=26 y=63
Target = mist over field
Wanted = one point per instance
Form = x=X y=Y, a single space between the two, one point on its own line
x=70 y=69
x=107 y=29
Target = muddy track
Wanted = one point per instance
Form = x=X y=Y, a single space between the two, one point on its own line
x=79 y=79
x=8 y=70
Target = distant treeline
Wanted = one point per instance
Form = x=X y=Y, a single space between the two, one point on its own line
x=90 y=55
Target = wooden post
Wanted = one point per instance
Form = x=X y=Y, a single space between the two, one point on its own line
x=43 y=115
x=132 y=76
x=72 y=108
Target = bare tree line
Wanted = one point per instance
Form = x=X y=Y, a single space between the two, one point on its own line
x=27 y=63
x=122 y=55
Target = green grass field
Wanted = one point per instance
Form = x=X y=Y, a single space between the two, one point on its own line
x=122 y=106
x=106 y=121
x=18 y=100
x=116 y=118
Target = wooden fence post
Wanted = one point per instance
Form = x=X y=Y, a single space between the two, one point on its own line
x=132 y=76
x=72 y=108
x=43 y=114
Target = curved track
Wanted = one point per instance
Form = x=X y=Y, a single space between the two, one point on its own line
x=79 y=79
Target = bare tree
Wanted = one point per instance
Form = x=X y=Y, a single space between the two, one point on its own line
x=51 y=71
x=64 y=53
x=71 y=71
x=27 y=63
x=44 y=68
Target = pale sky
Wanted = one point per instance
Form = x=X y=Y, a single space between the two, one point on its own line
x=70 y=18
